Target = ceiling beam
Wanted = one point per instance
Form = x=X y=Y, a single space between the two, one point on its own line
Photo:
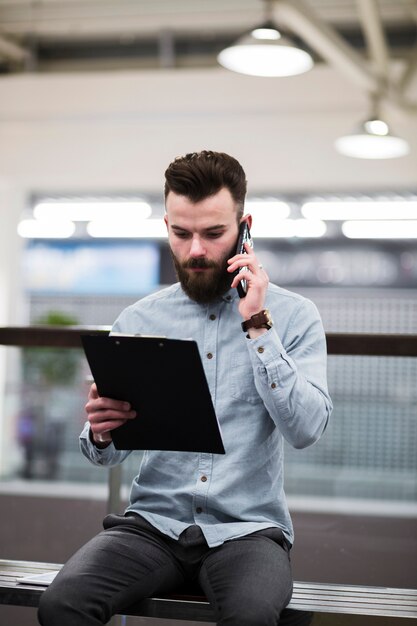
x=408 y=76
x=11 y=51
x=375 y=37
x=324 y=39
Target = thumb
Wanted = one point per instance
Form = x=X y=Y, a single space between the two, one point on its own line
x=93 y=391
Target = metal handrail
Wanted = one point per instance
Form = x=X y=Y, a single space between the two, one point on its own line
x=48 y=336
x=361 y=344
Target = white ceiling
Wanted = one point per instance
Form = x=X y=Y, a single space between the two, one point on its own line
x=282 y=129
x=120 y=19
x=360 y=38
x=77 y=18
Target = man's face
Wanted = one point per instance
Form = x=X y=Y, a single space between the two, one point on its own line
x=202 y=237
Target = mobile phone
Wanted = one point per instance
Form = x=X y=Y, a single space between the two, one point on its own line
x=243 y=237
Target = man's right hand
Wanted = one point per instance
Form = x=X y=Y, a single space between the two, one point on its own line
x=104 y=415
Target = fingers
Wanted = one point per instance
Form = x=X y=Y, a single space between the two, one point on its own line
x=248 y=260
x=250 y=270
x=93 y=393
x=252 y=281
x=106 y=414
x=256 y=278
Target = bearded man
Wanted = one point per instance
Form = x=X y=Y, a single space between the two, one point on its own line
x=219 y=520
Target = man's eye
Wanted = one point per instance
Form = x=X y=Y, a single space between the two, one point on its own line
x=214 y=235
x=181 y=235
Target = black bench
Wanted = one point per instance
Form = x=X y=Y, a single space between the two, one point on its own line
x=312 y=597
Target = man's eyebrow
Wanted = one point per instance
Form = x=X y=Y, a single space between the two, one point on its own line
x=175 y=227
x=216 y=227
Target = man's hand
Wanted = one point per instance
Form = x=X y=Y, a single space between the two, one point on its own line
x=104 y=415
x=257 y=282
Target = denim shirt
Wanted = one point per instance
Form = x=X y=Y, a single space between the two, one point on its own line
x=263 y=390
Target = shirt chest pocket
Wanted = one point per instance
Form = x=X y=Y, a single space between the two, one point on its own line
x=241 y=380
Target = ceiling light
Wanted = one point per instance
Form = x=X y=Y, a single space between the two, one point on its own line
x=42 y=229
x=360 y=210
x=289 y=228
x=86 y=211
x=267 y=209
x=372 y=140
x=265 y=52
x=385 y=229
x=309 y=228
x=134 y=229
x=268 y=216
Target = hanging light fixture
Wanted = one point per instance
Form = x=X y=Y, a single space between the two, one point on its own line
x=372 y=140
x=264 y=51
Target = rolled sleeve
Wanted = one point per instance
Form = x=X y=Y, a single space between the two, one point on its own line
x=291 y=379
x=100 y=456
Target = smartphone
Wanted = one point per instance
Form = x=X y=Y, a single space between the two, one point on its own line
x=244 y=237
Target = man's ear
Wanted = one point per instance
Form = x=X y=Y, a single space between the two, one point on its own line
x=247 y=218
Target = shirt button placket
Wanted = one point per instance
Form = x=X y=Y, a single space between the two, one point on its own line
x=204 y=471
x=209 y=348
x=205 y=459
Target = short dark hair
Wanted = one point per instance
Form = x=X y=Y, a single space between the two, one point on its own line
x=198 y=175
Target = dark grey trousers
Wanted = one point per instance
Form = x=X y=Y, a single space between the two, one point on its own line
x=248 y=581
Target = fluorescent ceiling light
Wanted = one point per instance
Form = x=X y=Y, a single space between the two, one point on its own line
x=267 y=209
x=149 y=229
x=289 y=228
x=87 y=211
x=372 y=140
x=388 y=229
x=268 y=216
x=360 y=210
x=40 y=229
x=265 y=52
x=309 y=228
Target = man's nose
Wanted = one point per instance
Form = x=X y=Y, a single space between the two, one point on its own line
x=197 y=248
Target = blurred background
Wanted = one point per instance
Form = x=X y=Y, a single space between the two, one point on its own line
x=96 y=98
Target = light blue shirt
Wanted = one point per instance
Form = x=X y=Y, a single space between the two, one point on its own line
x=263 y=390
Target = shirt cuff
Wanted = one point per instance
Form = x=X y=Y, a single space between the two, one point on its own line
x=95 y=454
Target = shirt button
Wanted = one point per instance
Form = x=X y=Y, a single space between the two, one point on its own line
x=260 y=349
x=203 y=479
x=212 y=317
x=273 y=386
x=209 y=355
x=199 y=509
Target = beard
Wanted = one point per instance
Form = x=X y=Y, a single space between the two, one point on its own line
x=204 y=287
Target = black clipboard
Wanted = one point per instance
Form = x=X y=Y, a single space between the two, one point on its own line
x=164 y=381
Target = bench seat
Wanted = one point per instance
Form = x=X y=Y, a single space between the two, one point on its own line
x=314 y=597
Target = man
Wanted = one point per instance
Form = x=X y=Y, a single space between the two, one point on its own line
x=221 y=520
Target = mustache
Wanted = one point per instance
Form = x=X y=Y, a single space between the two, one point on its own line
x=199 y=263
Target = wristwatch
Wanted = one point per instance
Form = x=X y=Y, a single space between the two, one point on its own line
x=259 y=320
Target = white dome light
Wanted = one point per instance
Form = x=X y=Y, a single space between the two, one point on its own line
x=265 y=52
x=372 y=141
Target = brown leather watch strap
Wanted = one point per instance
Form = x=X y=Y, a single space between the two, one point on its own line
x=259 y=320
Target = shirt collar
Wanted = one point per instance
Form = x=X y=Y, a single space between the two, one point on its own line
x=230 y=295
